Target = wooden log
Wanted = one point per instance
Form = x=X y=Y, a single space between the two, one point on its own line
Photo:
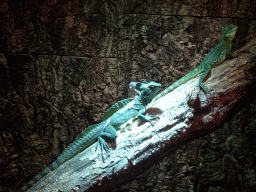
x=185 y=114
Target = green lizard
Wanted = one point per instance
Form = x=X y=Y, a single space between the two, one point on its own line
x=113 y=118
x=216 y=56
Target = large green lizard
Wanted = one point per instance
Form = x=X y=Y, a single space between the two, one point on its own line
x=113 y=118
x=216 y=56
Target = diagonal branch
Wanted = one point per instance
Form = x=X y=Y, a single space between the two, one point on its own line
x=185 y=113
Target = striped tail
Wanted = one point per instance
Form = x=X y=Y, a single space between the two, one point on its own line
x=84 y=140
x=50 y=168
x=182 y=80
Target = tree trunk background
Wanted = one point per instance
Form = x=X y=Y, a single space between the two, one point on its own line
x=66 y=62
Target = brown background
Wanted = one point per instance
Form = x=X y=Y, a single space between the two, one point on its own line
x=65 y=62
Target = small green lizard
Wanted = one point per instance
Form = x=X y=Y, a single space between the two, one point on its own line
x=216 y=56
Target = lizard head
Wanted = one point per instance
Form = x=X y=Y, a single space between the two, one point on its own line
x=229 y=32
x=149 y=90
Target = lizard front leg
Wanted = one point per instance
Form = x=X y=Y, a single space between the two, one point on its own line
x=144 y=118
x=207 y=68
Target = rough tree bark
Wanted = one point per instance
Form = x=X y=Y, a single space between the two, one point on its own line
x=185 y=113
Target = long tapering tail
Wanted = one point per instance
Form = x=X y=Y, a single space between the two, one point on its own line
x=84 y=140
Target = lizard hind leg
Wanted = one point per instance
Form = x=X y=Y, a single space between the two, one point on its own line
x=104 y=146
x=108 y=133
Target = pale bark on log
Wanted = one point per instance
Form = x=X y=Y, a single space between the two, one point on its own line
x=186 y=113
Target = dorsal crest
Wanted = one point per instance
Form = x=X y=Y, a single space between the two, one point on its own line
x=110 y=111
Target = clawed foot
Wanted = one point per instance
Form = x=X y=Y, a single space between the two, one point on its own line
x=104 y=146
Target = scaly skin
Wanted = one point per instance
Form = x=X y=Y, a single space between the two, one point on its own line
x=216 y=56
x=106 y=129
